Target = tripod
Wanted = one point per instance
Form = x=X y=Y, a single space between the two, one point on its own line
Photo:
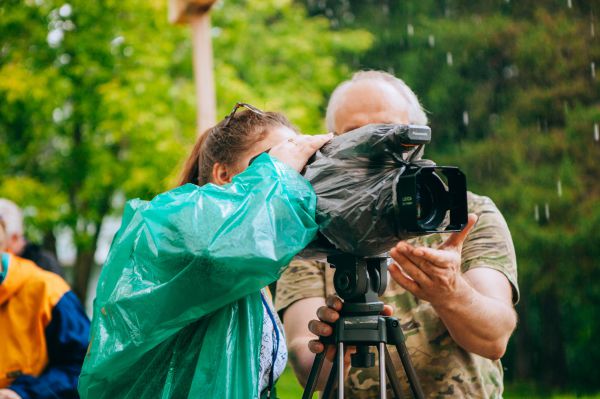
x=360 y=281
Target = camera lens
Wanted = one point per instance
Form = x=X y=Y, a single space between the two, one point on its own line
x=425 y=210
x=431 y=201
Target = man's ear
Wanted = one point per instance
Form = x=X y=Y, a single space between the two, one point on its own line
x=221 y=174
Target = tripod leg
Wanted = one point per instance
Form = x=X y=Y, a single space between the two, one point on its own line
x=382 y=364
x=340 y=370
x=332 y=380
x=331 y=384
x=313 y=377
x=397 y=336
x=391 y=373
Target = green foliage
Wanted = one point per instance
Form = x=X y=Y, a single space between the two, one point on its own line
x=96 y=98
x=271 y=55
x=513 y=102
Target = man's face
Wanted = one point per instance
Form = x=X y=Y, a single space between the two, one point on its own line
x=16 y=243
x=366 y=102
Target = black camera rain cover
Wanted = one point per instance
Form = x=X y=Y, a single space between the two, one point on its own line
x=353 y=176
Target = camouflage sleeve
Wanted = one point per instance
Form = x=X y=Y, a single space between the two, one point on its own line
x=302 y=279
x=490 y=244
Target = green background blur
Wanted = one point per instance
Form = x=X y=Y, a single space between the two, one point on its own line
x=97 y=106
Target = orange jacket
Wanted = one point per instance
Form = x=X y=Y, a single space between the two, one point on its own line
x=41 y=329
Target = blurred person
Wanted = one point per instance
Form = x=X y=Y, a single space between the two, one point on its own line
x=181 y=307
x=452 y=293
x=43 y=331
x=19 y=245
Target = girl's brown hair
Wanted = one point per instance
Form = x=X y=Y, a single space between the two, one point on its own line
x=225 y=142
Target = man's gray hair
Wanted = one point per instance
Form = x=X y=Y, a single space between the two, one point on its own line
x=416 y=114
x=12 y=216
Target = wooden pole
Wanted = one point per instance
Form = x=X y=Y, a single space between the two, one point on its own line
x=197 y=14
x=203 y=71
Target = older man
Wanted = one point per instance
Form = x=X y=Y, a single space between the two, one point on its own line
x=453 y=294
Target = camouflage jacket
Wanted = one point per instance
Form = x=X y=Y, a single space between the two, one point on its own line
x=444 y=369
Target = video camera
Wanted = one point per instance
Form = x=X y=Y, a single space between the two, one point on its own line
x=373 y=190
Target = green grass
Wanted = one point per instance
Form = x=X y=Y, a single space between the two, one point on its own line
x=289 y=388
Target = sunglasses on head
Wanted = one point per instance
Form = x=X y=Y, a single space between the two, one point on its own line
x=237 y=106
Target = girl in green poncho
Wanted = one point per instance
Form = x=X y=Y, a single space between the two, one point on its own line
x=180 y=310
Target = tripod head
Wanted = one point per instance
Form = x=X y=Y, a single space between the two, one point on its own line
x=359 y=281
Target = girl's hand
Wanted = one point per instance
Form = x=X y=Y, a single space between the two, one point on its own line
x=296 y=151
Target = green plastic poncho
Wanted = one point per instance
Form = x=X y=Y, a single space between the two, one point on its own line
x=178 y=312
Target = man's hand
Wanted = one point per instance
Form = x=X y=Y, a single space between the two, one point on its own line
x=475 y=306
x=9 y=394
x=433 y=275
x=328 y=315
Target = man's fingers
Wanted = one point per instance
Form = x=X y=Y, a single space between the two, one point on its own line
x=319 y=328
x=425 y=257
x=457 y=239
x=416 y=256
x=327 y=314
x=410 y=268
x=403 y=281
x=316 y=346
x=387 y=310
x=334 y=302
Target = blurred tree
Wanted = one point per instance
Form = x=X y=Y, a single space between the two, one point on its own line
x=513 y=98
x=96 y=98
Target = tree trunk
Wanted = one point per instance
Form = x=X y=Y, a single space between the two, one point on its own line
x=83 y=269
x=84 y=262
x=49 y=242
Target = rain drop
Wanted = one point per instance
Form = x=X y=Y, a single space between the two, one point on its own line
x=117 y=41
x=536 y=213
x=559 y=188
x=55 y=38
x=596 y=132
x=592 y=32
x=593 y=69
x=570 y=3
x=449 y=59
x=410 y=30
x=65 y=10
x=547 y=211
x=431 y=40
x=465 y=118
